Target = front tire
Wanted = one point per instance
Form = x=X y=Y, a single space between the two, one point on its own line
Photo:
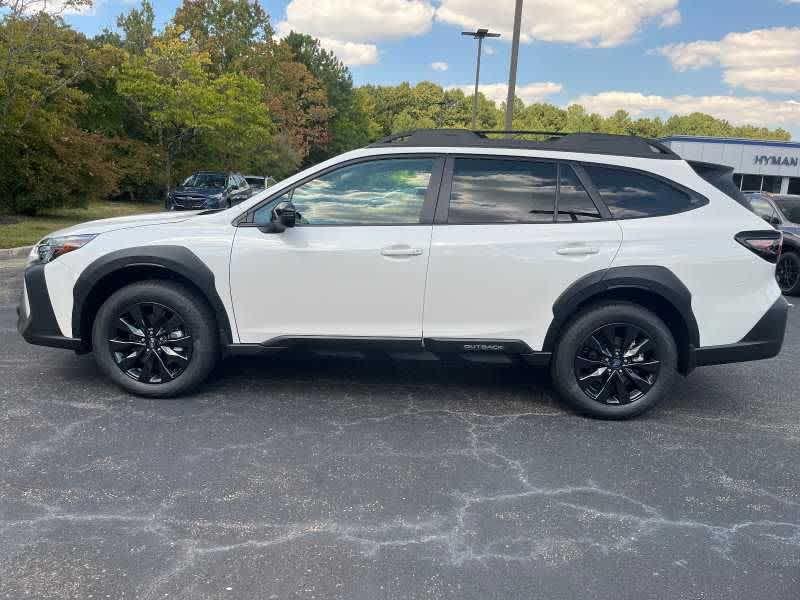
x=155 y=338
x=614 y=361
x=787 y=272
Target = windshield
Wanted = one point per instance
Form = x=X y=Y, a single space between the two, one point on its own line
x=206 y=180
x=255 y=181
x=790 y=207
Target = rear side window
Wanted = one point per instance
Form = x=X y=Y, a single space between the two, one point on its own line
x=630 y=195
x=574 y=203
x=502 y=191
x=722 y=178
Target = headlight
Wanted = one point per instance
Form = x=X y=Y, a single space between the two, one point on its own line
x=51 y=248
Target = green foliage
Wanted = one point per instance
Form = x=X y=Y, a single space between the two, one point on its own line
x=349 y=125
x=297 y=102
x=183 y=105
x=224 y=29
x=138 y=27
x=131 y=111
x=39 y=101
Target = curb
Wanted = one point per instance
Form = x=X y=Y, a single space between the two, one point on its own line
x=6 y=253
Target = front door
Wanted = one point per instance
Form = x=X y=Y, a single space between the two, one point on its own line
x=502 y=251
x=353 y=266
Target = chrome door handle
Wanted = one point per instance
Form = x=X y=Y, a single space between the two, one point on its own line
x=577 y=251
x=401 y=251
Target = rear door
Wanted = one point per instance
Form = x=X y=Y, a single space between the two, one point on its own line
x=510 y=235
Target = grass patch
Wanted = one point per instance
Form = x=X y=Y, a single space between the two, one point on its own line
x=26 y=231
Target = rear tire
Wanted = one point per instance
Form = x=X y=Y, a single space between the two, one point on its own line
x=787 y=272
x=155 y=338
x=614 y=360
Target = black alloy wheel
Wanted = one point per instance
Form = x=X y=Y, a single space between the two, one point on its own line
x=787 y=272
x=617 y=364
x=150 y=343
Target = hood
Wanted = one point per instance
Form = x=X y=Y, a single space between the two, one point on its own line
x=105 y=225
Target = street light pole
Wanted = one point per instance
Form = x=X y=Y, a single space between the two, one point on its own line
x=478 y=35
x=512 y=70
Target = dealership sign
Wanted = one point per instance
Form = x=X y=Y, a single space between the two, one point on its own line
x=778 y=161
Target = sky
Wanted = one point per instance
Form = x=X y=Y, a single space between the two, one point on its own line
x=734 y=59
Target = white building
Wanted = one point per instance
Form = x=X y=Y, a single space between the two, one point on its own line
x=758 y=165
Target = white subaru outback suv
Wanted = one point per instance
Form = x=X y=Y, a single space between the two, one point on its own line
x=608 y=258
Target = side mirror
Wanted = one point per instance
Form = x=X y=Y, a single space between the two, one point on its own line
x=283 y=215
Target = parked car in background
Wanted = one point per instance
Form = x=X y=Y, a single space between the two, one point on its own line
x=608 y=258
x=783 y=213
x=208 y=190
x=259 y=182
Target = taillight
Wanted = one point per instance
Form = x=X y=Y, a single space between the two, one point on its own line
x=767 y=244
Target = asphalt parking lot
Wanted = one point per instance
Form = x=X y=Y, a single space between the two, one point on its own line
x=371 y=479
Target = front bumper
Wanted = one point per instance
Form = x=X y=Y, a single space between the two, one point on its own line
x=764 y=341
x=195 y=203
x=36 y=320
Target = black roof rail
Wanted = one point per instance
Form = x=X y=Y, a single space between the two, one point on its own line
x=587 y=143
x=486 y=132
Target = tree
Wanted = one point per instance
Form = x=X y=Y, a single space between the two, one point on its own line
x=577 y=119
x=295 y=98
x=183 y=105
x=224 y=29
x=540 y=117
x=43 y=61
x=138 y=27
x=349 y=126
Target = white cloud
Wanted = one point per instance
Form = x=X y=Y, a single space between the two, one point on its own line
x=351 y=53
x=604 y=23
x=672 y=18
x=763 y=60
x=489 y=50
x=349 y=28
x=753 y=110
x=439 y=66
x=360 y=21
x=528 y=93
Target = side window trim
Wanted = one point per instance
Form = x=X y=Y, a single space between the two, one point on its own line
x=428 y=207
x=588 y=185
x=445 y=189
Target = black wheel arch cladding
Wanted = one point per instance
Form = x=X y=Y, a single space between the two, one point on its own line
x=650 y=279
x=170 y=260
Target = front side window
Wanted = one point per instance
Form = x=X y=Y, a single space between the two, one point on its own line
x=502 y=191
x=379 y=192
x=630 y=195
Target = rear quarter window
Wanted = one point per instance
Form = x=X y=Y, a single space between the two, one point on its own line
x=632 y=194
